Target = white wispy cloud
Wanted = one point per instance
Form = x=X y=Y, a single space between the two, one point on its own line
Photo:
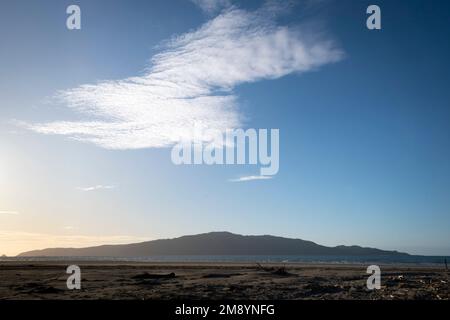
x=97 y=187
x=211 y=6
x=13 y=213
x=190 y=83
x=251 y=178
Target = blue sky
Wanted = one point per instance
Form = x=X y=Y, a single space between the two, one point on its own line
x=364 y=126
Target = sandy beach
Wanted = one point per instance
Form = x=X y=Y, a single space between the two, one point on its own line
x=113 y=280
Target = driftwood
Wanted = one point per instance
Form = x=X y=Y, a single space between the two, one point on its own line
x=281 y=271
x=145 y=276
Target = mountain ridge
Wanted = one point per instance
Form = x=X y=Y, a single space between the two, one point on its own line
x=212 y=243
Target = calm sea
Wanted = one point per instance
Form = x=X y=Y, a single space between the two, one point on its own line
x=424 y=260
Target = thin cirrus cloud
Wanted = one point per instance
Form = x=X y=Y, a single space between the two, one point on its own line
x=10 y=213
x=251 y=178
x=189 y=84
x=211 y=6
x=94 y=188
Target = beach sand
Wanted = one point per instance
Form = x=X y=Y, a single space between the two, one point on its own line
x=115 y=280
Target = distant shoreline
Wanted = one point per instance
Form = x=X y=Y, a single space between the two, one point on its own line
x=410 y=260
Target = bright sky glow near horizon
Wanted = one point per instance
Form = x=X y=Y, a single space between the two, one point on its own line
x=87 y=118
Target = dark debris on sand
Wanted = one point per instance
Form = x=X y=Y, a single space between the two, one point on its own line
x=222 y=281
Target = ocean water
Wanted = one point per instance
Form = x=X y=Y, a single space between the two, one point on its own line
x=412 y=259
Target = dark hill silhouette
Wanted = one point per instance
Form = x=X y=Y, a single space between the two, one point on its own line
x=214 y=243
